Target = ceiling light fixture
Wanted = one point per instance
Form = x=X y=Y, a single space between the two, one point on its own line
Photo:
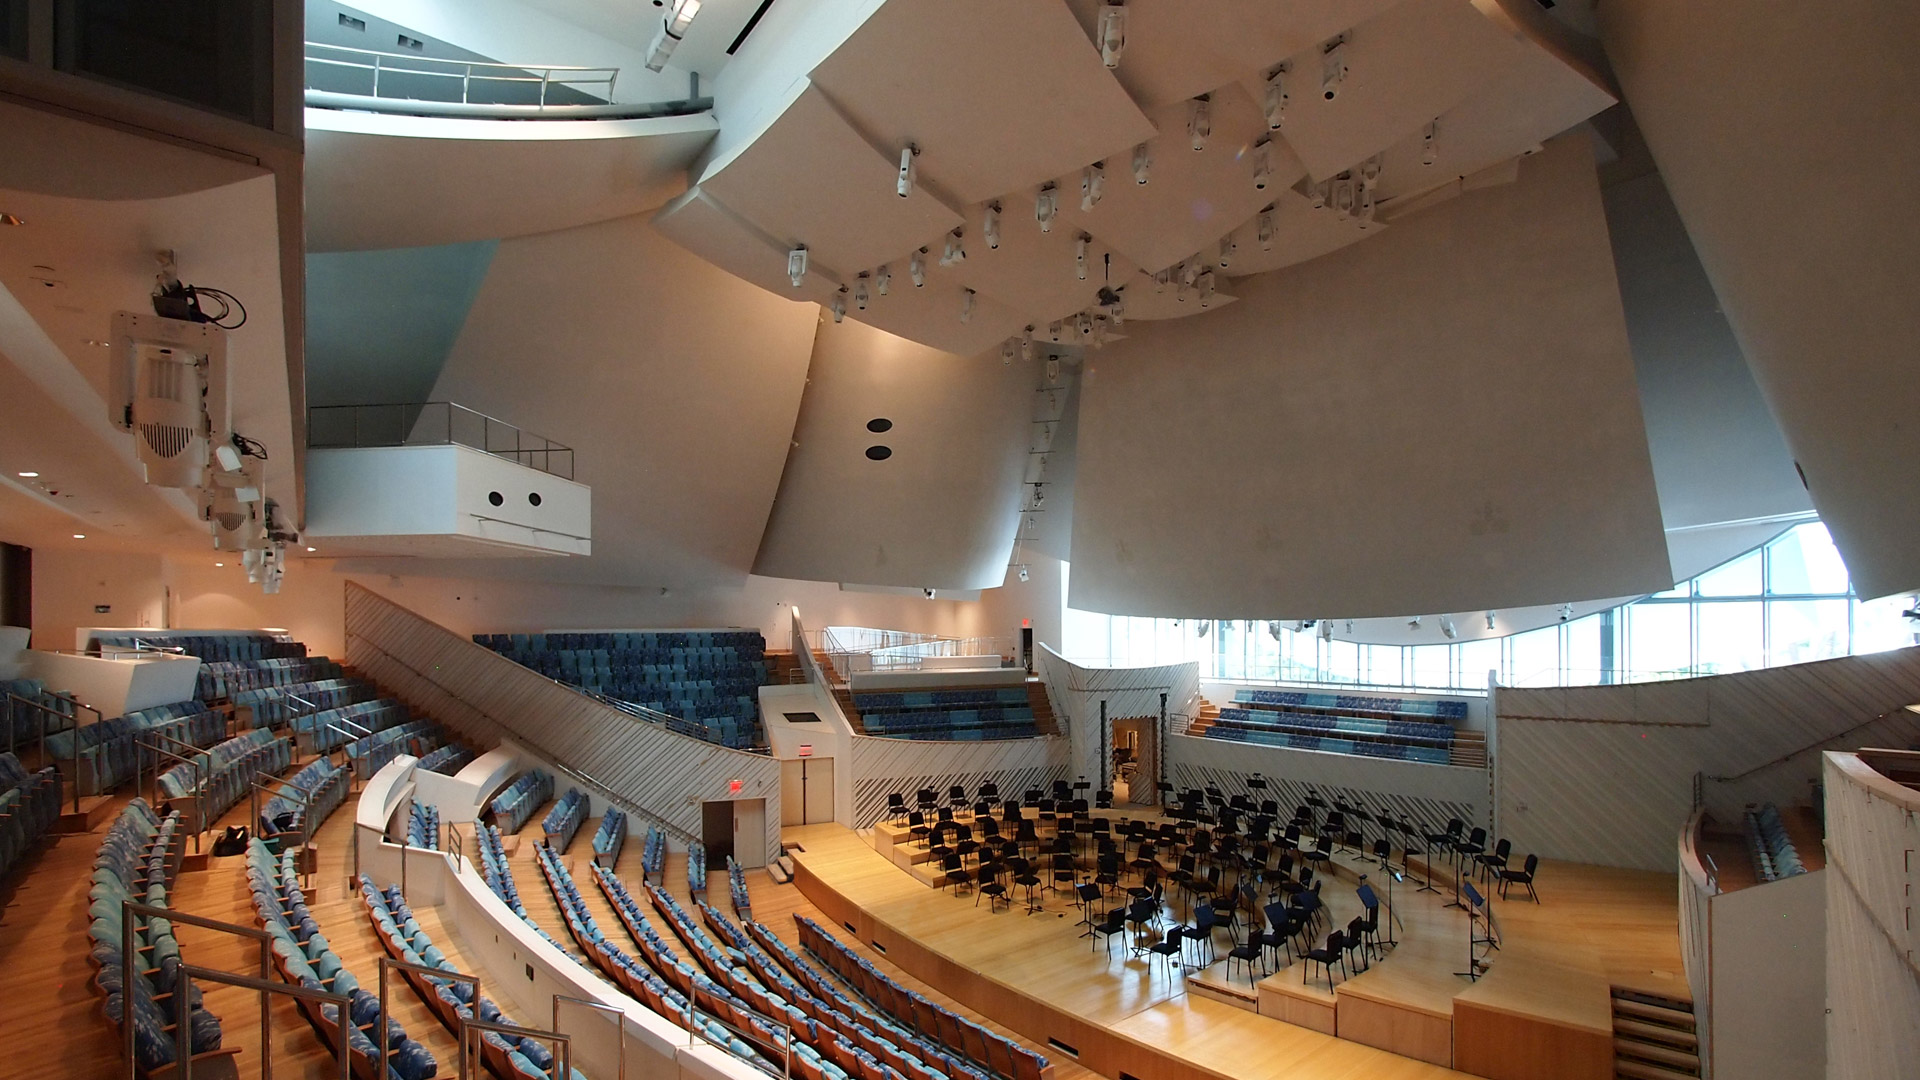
x=1200 y=121
x=673 y=27
x=1333 y=67
x=991 y=227
x=1023 y=573
x=966 y=305
x=1264 y=229
x=1142 y=163
x=1429 y=151
x=1262 y=164
x=1113 y=32
x=1326 y=630
x=839 y=305
x=860 y=291
x=1045 y=206
x=955 y=252
x=1026 y=343
x=79 y=536
x=1053 y=369
x=1080 y=256
x=1226 y=250
x=29 y=475
x=311 y=550
x=1204 y=283
x=1447 y=627
x=1274 y=102
x=1413 y=623
x=1490 y=620
x=908 y=171
x=219 y=564
x=797 y=265
x=917 y=268
x=11 y=219
x=883 y=279
x=1007 y=349
x=1093 y=184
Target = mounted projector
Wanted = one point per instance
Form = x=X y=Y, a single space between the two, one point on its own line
x=168 y=384
x=234 y=507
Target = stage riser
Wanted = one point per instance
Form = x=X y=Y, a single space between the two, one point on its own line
x=1503 y=1046
x=1406 y=1032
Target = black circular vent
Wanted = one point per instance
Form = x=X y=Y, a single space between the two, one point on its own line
x=879 y=424
x=495 y=498
x=533 y=497
x=879 y=453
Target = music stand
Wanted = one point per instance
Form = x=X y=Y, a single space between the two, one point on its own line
x=1478 y=905
x=1371 y=901
x=1088 y=894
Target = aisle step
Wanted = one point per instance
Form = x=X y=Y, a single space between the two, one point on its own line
x=1639 y=1070
x=1657 y=1054
x=1655 y=1033
x=1658 y=1014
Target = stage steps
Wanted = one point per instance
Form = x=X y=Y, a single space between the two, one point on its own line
x=1653 y=1036
x=1042 y=706
x=1204 y=718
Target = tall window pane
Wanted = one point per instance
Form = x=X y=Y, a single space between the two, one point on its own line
x=1383 y=665
x=1659 y=639
x=1432 y=665
x=1879 y=626
x=1803 y=630
x=1730 y=638
x=1476 y=659
x=1805 y=561
x=1583 y=667
x=1535 y=657
x=1741 y=577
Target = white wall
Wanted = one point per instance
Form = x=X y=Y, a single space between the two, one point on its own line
x=69 y=583
x=1873 y=987
x=1770 y=980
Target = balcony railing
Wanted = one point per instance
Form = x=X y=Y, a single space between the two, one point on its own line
x=467 y=82
x=434 y=423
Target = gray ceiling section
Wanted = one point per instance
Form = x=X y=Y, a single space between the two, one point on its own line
x=375 y=34
x=380 y=324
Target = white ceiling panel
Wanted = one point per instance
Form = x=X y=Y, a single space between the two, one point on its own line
x=930 y=314
x=1299 y=233
x=1033 y=271
x=1175 y=51
x=810 y=178
x=1145 y=301
x=1405 y=66
x=700 y=224
x=1191 y=198
x=998 y=94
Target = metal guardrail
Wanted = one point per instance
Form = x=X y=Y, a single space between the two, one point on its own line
x=434 y=423
x=467 y=73
x=471 y=1030
x=619 y=1023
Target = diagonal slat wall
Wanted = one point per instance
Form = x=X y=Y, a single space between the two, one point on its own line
x=1076 y=693
x=485 y=696
x=884 y=766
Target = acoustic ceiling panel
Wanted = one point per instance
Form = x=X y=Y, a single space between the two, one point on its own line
x=697 y=222
x=998 y=94
x=1036 y=272
x=1299 y=233
x=931 y=314
x=1443 y=418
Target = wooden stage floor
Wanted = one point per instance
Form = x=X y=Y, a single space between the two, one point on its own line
x=1542 y=1010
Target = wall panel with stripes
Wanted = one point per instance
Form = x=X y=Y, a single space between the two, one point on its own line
x=885 y=766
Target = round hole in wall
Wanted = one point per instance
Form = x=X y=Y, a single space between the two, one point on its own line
x=879 y=424
x=879 y=453
x=533 y=497
x=495 y=498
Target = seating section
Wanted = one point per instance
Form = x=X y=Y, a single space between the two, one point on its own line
x=226 y=772
x=653 y=856
x=273 y=706
x=697 y=868
x=137 y=861
x=447 y=760
x=1364 y=705
x=512 y=807
x=22 y=725
x=451 y=1001
x=330 y=729
x=609 y=838
x=369 y=753
x=1398 y=740
x=108 y=751
x=1774 y=856
x=325 y=786
x=737 y=889
x=423 y=826
x=962 y=715
x=710 y=677
x=564 y=820
x=224 y=680
x=29 y=806
x=303 y=957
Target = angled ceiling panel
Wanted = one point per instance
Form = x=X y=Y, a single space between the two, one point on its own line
x=1035 y=272
x=930 y=314
x=701 y=225
x=1299 y=233
x=998 y=94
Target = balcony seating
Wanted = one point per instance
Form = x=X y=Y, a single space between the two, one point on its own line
x=609 y=838
x=446 y=760
x=20 y=725
x=423 y=826
x=108 y=752
x=563 y=822
x=512 y=807
x=653 y=856
x=330 y=729
x=710 y=677
x=325 y=785
x=1360 y=705
x=29 y=807
x=737 y=889
x=369 y=753
x=269 y=706
x=1399 y=740
x=1774 y=856
x=208 y=647
x=137 y=861
x=302 y=957
x=959 y=715
x=221 y=680
x=452 y=1002
x=697 y=869
x=227 y=772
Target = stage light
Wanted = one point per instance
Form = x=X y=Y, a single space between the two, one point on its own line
x=1274 y=102
x=966 y=305
x=1084 y=323
x=1264 y=230
x=860 y=291
x=1226 y=251
x=1490 y=620
x=1204 y=284
x=917 y=268
x=1023 y=573
x=1566 y=612
x=1200 y=628
x=1026 y=343
x=1413 y=623
x=991 y=227
x=1333 y=67
x=797 y=265
x=1045 y=206
x=1273 y=629
x=1053 y=369
x=1447 y=627
x=909 y=171
x=1054 y=329
x=1262 y=164
x=1142 y=163
x=883 y=279
x=955 y=251
x=1200 y=122
x=1007 y=349
x=1317 y=194
x=1370 y=169
x=1326 y=630
x=673 y=27
x=1113 y=33
x=1429 y=148
x=1080 y=256
x=1093 y=184
x=839 y=305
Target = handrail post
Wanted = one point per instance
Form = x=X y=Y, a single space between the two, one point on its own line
x=471 y=1027
x=387 y=962
x=619 y=1023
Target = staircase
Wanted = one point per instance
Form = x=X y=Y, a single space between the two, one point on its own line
x=845 y=697
x=1653 y=1037
x=1043 y=720
x=783 y=668
x=1202 y=720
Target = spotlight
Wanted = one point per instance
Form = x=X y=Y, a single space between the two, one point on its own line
x=1053 y=368
x=1045 y=206
x=860 y=291
x=917 y=268
x=909 y=172
x=1226 y=250
x=1274 y=102
x=929 y=593
x=1200 y=122
x=839 y=305
x=1039 y=496
x=1413 y=623
x=1142 y=163
x=1566 y=612
x=966 y=305
x=1273 y=629
x=1370 y=170
x=1490 y=620
x=1333 y=67
x=29 y=475
x=1447 y=627
x=955 y=251
x=673 y=28
x=1006 y=352
x=311 y=550
x=1080 y=256
x=1113 y=33
x=79 y=536
x=1326 y=630
x=883 y=280
x=1204 y=283
x=1343 y=196
x=991 y=227
x=1317 y=195
x=1429 y=151
x=1084 y=323
x=1200 y=628
x=1054 y=330
x=797 y=265
x=1093 y=183
x=1026 y=343
x=1262 y=164
x=1023 y=573
x=11 y=219
x=1264 y=230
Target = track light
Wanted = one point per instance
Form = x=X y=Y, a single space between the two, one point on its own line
x=1262 y=164
x=917 y=268
x=1363 y=205
x=1370 y=170
x=1343 y=196
x=673 y=27
x=1053 y=368
x=883 y=279
x=1333 y=67
x=797 y=265
x=1264 y=229
x=1084 y=323
x=860 y=291
x=1429 y=150
x=909 y=171
x=955 y=251
x=1566 y=612
x=1200 y=121
x=1317 y=195
x=1142 y=163
x=1080 y=256
x=1026 y=343
x=1093 y=183
x=1045 y=206
x=1054 y=330
x=839 y=305
x=1007 y=349
x=1274 y=102
x=1490 y=620
x=1326 y=630
x=1447 y=627
x=966 y=305
x=991 y=227
x=1413 y=623
x=1113 y=32
x=1023 y=573
x=1204 y=284
x=1273 y=629
x=1226 y=250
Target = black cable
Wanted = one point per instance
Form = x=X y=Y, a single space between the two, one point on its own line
x=228 y=303
x=249 y=447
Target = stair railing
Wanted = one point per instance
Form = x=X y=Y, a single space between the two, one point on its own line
x=471 y=1029
x=294 y=794
x=619 y=1023
x=388 y=963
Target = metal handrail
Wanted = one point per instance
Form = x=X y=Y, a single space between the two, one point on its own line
x=527 y=447
x=471 y=1028
x=199 y=782
x=619 y=1023
x=786 y=1030
x=298 y=795
x=388 y=962
x=467 y=73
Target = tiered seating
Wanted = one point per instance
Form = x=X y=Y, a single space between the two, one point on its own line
x=137 y=861
x=512 y=807
x=423 y=826
x=208 y=647
x=965 y=715
x=1363 y=705
x=1001 y=1055
x=494 y=869
x=224 y=679
x=653 y=857
x=108 y=752
x=447 y=760
x=325 y=786
x=369 y=753
x=708 y=676
x=564 y=820
x=303 y=957
x=451 y=1001
x=227 y=771
x=609 y=838
x=269 y=706
x=697 y=869
x=25 y=723
x=737 y=889
x=29 y=805
x=329 y=729
x=1269 y=725
x=1774 y=856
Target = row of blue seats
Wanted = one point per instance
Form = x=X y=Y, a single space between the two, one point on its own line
x=303 y=957
x=907 y=699
x=515 y=1057
x=423 y=826
x=208 y=647
x=563 y=822
x=446 y=760
x=272 y=706
x=108 y=752
x=332 y=728
x=1774 y=855
x=221 y=680
x=226 y=772
x=719 y=988
x=1365 y=703
x=737 y=889
x=626 y=639
x=653 y=854
x=20 y=724
x=1419 y=734
x=646 y=667
x=1015 y=730
x=369 y=753
x=1270 y=737
x=512 y=807
x=29 y=806
x=137 y=862
x=609 y=838
x=324 y=786
x=696 y=867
